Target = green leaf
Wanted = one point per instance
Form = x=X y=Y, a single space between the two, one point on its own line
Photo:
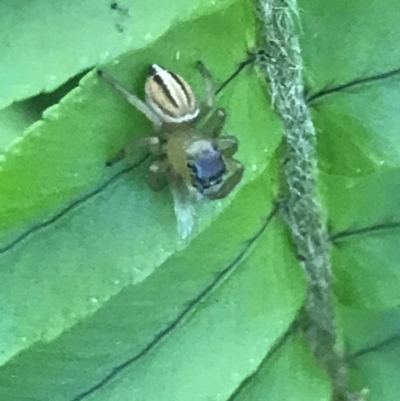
x=43 y=43
x=289 y=373
x=374 y=345
x=99 y=298
x=91 y=288
x=342 y=41
x=364 y=258
x=357 y=128
x=171 y=325
x=66 y=152
x=14 y=119
x=18 y=117
x=358 y=141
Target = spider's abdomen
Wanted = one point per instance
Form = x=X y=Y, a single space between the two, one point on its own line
x=170 y=96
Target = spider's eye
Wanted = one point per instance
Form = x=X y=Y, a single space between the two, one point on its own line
x=170 y=96
x=192 y=167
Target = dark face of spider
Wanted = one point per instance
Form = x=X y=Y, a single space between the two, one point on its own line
x=207 y=168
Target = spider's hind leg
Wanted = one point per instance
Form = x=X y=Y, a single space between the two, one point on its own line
x=157 y=174
x=215 y=123
x=131 y=98
x=207 y=103
x=152 y=143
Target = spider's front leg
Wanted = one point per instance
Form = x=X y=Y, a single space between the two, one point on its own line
x=227 y=145
x=235 y=172
x=152 y=143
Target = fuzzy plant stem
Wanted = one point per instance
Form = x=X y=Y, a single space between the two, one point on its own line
x=281 y=62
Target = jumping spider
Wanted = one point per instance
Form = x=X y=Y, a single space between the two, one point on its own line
x=193 y=158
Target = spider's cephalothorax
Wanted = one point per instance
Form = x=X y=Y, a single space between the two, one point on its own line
x=192 y=155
